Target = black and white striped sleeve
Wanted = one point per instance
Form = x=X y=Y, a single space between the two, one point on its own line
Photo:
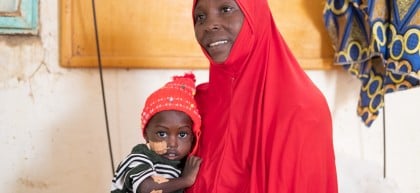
x=131 y=172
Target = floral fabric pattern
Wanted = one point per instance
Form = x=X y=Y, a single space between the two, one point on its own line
x=378 y=41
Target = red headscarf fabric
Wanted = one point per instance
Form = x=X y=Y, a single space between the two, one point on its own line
x=266 y=127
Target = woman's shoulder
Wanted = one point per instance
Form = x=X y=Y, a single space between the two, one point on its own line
x=202 y=86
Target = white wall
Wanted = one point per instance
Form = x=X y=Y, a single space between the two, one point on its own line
x=53 y=134
x=402 y=139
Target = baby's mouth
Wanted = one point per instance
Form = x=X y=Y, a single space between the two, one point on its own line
x=171 y=154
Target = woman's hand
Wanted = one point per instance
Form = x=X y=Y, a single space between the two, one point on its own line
x=192 y=165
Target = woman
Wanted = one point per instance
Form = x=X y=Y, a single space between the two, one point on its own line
x=266 y=126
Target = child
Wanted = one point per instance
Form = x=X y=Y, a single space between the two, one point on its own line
x=171 y=127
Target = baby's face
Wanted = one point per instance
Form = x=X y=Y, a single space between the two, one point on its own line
x=169 y=134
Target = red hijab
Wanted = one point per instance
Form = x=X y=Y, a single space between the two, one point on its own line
x=266 y=127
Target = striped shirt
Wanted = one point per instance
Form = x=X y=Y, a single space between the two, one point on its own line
x=140 y=164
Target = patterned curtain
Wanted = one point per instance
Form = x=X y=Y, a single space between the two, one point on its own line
x=378 y=41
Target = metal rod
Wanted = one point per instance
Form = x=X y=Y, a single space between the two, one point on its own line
x=98 y=51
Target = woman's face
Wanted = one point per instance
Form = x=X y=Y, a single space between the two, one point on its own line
x=217 y=23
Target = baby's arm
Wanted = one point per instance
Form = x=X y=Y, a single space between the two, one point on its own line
x=162 y=185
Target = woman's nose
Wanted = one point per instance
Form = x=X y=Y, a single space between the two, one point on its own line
x=212 y=23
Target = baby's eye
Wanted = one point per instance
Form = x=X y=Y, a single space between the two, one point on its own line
x=183 y=134
x=161 y=134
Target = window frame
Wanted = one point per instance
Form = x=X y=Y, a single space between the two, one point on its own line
x=22 y=21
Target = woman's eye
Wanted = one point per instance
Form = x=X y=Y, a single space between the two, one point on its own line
x=227 y=9
x=161 y=134
x=199 y=17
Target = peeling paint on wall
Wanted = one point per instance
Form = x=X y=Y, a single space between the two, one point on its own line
x=20 y=57
x=32 y=184
x=19 y=40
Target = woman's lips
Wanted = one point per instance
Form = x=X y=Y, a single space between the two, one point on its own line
x=218 y=43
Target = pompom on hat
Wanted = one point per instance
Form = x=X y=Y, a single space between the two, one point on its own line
x=177 y=94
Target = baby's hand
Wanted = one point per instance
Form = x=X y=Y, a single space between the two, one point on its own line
x=191 y=168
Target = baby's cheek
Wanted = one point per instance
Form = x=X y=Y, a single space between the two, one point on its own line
x=159 y=147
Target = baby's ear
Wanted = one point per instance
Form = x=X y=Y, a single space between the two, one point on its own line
x=146 y=138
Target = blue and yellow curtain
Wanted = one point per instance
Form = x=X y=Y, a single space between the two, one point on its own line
x=378 y=41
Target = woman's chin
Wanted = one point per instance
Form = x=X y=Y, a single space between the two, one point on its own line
x=219 y=55
x=219 y=59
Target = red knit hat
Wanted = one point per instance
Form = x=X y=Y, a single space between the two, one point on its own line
x=175 y=95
